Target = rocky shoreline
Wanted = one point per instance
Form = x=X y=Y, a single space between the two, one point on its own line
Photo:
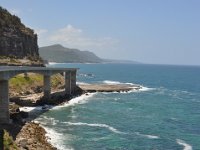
x=22 y=128
x=121 y=87
x=30 y=135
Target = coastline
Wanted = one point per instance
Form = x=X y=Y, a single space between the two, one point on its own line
x=33 y=136
x=115 y=99
x=31 y=122
x=52 y=136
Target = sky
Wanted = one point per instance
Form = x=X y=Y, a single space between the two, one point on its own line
x=148 y=31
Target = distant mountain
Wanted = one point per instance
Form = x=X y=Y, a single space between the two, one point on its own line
x=58 y=53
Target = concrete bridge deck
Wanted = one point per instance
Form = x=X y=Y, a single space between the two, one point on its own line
x=7 y=72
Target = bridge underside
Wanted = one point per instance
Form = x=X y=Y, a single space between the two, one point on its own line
x=70 y=84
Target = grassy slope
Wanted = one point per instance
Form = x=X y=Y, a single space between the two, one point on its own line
x=8 y=142
x=32 y=83
x=22 y=84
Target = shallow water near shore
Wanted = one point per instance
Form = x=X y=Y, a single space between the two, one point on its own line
x=164 y=114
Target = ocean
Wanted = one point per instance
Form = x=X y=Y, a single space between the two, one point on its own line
x=163 y=115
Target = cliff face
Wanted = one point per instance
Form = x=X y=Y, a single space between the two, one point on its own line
x=16 y=40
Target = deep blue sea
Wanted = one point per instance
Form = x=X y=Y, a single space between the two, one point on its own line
x=164 y=115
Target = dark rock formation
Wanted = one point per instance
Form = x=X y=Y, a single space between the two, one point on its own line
x=16 y=40
x=32 y=137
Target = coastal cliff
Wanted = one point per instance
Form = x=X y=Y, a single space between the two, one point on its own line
x=16 y=40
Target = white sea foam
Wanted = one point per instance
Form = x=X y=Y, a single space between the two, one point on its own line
x=44 y=120
x=27 y=109
x=143 y=89
x=82 y=83
x=52 y=63
x=95 y=125
x=77 y=100
x=55 y=139
x=152 y=136
x=87 y=75
x=116 y=99
x=132 y=85
x=111 y=82
x=184 y=144
x=175 y=119
x=148 y=135
x=134 y=90
x=35 y=109
x=100 y=138
x=55 y=63
x=117 y=82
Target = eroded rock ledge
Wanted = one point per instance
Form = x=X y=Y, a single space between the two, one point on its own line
x=109 y=87
x=32 y=136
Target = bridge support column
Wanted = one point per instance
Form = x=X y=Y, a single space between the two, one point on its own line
x=4 y=102
x=67 y=82
x=73 y=81
x=47 y=86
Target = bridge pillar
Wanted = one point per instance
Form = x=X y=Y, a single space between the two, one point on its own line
x=4 y=102
x=67 y=82
x=73 y=80
x=47 y=86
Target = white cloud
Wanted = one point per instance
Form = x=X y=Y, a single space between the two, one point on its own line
x=74 y=37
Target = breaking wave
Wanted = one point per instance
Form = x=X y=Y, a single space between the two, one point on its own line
x=44 y=120
x=111 y=82
x=55 y=139
x=77 y=100
x=184 y=144
x=148 y=136
x=140 y=87
x=95 y=125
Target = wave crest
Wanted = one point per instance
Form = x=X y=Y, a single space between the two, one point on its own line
x=183 y=143
x=148 y=135
x=111 y=82
x=140 y=87
x=95 y=125
x=55 y=139
x=77 y=100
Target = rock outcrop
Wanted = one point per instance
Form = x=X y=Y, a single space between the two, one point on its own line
x=16 y=40
x=32 y=137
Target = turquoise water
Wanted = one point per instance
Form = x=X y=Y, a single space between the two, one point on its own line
x=165 y=115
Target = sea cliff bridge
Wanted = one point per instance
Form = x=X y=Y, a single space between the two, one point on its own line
x=7 y=72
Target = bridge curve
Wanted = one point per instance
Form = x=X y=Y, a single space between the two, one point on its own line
x=7 y=72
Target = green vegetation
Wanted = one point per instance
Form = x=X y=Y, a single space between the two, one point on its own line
x=20 y=81
x=8 y=142
x=32 y=83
